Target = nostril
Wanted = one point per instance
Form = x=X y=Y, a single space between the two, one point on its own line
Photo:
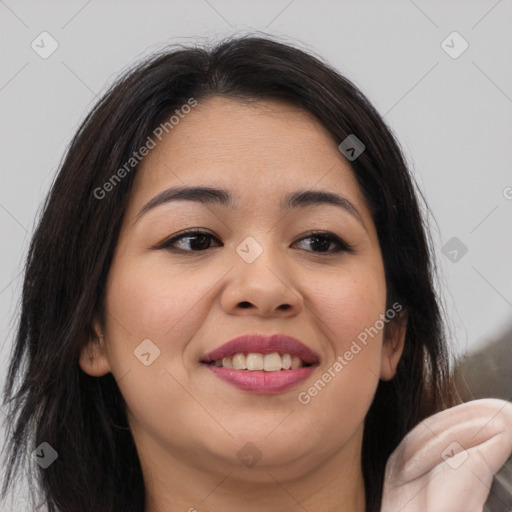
x=245 y=304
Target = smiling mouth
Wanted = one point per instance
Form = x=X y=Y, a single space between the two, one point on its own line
x=260 y=364
x=253 y=361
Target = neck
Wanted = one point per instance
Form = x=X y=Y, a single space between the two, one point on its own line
x=174 y=482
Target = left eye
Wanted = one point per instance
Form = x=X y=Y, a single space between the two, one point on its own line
x=322 y=242
x=199 y=241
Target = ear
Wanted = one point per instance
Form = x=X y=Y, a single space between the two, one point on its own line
x=393 y=346
x=93 y=357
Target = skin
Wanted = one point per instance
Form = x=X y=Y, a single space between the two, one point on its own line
x=188 y=425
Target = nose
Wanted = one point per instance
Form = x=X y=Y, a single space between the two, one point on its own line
x=264 y=287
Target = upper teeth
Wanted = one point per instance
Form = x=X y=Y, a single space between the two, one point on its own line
x=273 y=362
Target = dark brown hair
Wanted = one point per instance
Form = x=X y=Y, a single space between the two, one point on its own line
x=83 y=418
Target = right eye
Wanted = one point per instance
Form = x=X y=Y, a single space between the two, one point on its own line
x=198 y=241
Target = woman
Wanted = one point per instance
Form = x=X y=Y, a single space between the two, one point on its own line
x=228 y=301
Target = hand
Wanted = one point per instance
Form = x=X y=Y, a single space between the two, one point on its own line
x=447 y=462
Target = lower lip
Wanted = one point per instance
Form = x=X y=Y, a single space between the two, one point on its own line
x=261 y=382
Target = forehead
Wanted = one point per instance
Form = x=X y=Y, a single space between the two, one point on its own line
x=254 y=148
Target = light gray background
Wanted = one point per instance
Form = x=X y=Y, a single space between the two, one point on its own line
x=452 y=116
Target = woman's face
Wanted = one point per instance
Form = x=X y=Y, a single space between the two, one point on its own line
x=258 y=270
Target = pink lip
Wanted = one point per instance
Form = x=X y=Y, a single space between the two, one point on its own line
x=262 y=382
x=261 y=344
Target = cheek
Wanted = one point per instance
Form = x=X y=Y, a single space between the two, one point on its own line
x=349 y=309
x=341 y=396
x=349 y=304
x=152 y=300
x=147 y=301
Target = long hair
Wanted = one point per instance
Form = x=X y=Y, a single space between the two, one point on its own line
x=83 y=418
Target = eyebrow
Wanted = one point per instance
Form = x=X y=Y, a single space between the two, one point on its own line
x=222 y=197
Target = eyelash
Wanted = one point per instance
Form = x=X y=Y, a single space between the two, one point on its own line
x=341 y=245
